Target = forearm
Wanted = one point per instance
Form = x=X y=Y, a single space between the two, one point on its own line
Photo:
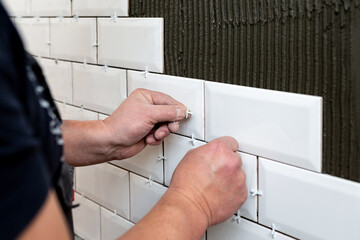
x=173 y=217
x=85 y=142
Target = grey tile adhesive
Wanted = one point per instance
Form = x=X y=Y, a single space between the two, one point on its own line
x=310 y=47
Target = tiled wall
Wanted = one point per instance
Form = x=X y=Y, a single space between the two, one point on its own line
x=94 y=56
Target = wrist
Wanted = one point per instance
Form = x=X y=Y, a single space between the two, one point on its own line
x=188 y=214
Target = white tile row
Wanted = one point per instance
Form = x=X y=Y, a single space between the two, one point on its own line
x=280 y=126
x=308 y=205
x=134 y=43
x=68 y=112
x=58 y=75
x=106 y=185
x=91 y=221
x=63 y=7
x=244 y=230
x=148 y=163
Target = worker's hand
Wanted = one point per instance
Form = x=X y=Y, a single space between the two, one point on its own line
x=145 y=117
x=210 y=177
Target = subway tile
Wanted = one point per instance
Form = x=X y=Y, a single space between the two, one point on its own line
x=51 y=8
x=308 y=205
x=281 y=126
x=113 y=226
x=175 y=148
x=35 y=35
x=86 y=218
x=73 y=40
x=144 y=195
x=17 y=8
x=58 y=75
x=134 y=43
x=245 y=230
x=68 y=112
x=98 y=89
x=103 y=116
x=105 y=184
x=100 y=8
x=145 y=163
x=187 y=91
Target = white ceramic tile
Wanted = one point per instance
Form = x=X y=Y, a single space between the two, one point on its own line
x=113 y=226
x=68 y=112
x=282 y=126
x=134 y=43
x=246 y=230
x=175 y=148
x=185 y=90
x=107 y=185
x=146 y=163
x=73 y=40
x=51 y=8
x=103 y=116
x=97 y=89
x=308 y=205
x=35 y=35
x=58 y=75
x=100 y=8
x=17 y=7
x=86 y=218
x=143 y=196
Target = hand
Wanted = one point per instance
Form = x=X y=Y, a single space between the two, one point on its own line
x=211 y=178
x=145 y=117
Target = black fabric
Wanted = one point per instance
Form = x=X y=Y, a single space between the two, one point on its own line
x=30 y=138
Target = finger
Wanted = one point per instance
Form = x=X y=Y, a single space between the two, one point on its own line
x=174 y=127
x=167 y=113
x=230 y=142
x=151 y=140
x=162 y=132
x=238 y=156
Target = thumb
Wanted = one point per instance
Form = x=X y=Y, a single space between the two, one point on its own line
x=168 y=113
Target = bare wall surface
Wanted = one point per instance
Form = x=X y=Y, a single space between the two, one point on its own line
x=301 y=46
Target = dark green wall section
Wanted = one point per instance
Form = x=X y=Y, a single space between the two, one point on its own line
x=300 y=46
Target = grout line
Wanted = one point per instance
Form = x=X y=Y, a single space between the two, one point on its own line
x=257 y=197
x=163 y=153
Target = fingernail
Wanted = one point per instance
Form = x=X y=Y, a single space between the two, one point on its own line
x=179 y=113
x=161 y=135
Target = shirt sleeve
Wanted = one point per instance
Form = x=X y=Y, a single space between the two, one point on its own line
x=24 y=181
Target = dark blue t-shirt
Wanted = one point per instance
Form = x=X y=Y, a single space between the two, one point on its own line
x=31 y=143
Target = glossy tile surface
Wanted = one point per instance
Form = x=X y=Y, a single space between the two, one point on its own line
x=100 y=8
x=143 y=196
x=86 y=218
x=51 y=8
x=308 y=205
x=17 y=7
x=103 y=116
x=73 y=40
x=98 y=89
x=175 y=148
x=58 y=75
x=35 y=34
x=146 y=163
x=246 y=230
x=113 y=226
x=187 y=91
x=134 y=43
x=277 y=125
x=68 y=112
x=106 y=185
